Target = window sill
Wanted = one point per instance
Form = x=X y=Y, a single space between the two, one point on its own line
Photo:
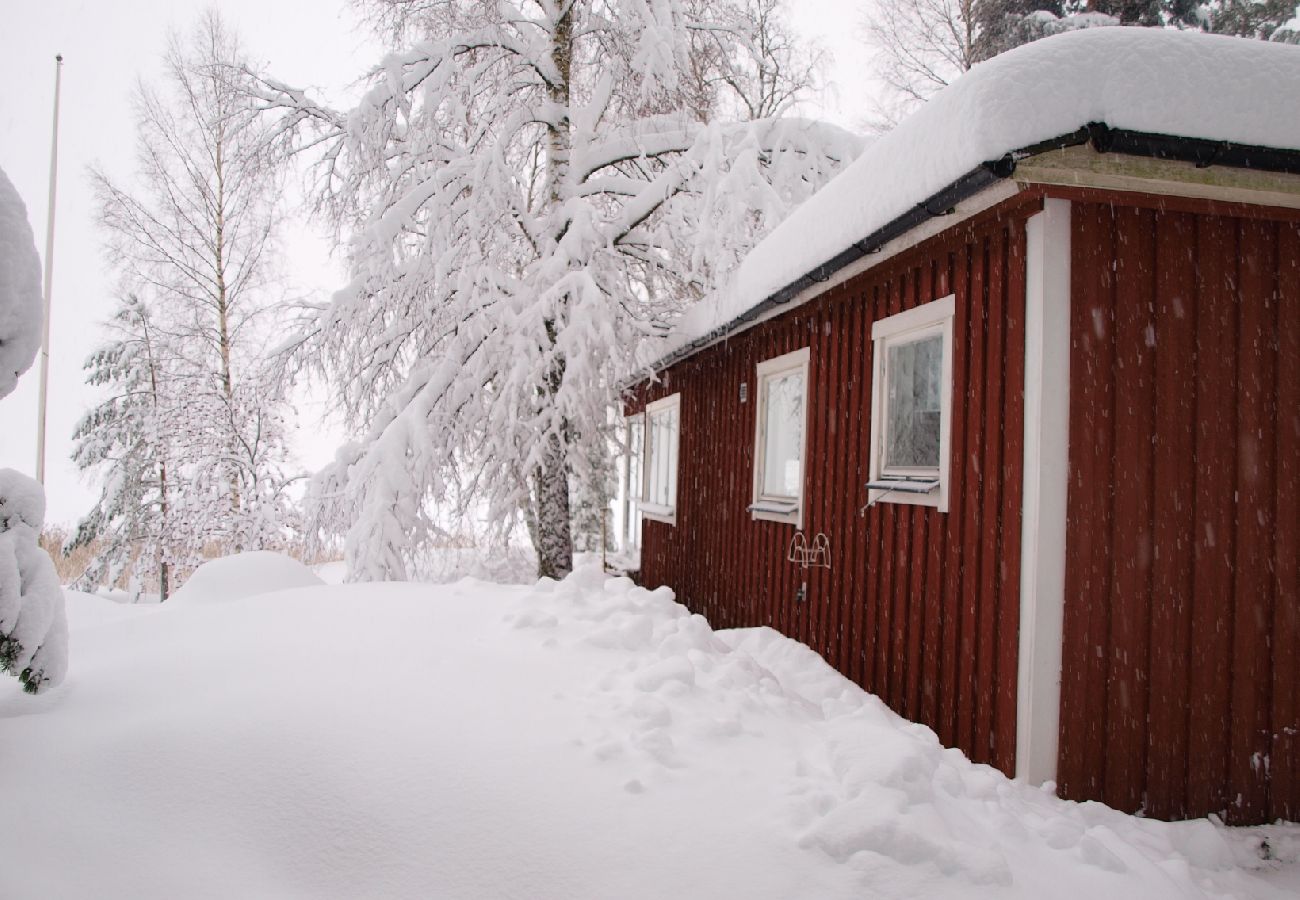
x=775 y=511
x=657 y=513
x=907 y=493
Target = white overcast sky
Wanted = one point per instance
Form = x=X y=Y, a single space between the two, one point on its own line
x=106 y=47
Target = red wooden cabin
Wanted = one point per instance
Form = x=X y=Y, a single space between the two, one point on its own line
x=1070 y=374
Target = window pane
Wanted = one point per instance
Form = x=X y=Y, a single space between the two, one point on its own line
x=662 y=463
x=913 y=374
x=635 y=452
x=783 y=423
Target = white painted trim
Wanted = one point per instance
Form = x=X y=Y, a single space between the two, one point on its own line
x=914 y=319
x=655 y=511
x=935 y=315
x=1046 y=476
x=761 y=507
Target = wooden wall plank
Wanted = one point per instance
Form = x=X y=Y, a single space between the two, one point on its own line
x=1256 y=486
x=994 y=306
x=1013 y=410
x=1082 y=764
x=1284 y=752
x=1216 y=454
x=1133 y=548
x=955 y=276
x=967 y=692
x=1174 y=515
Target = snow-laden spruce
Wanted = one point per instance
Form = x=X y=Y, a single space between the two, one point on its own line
x=531 y=192
x=20 y=289
x=33 y=625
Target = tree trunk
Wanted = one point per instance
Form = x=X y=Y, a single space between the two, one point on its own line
x=554 y=536
x=554 y=524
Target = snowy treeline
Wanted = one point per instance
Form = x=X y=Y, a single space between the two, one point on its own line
x=922 y=45
x=33 y=627
x=190 y=440
x=530 y=192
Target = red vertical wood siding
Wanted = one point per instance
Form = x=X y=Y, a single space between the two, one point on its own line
x=1179 y=681
x=919 y=607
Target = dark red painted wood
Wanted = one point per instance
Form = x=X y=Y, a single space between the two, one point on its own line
x=1135 y=341
x=1216 y=453
x=1008 y=612
x=1175 y=491
x=1284 y=754
x=1082 y=759
x=1179 y=671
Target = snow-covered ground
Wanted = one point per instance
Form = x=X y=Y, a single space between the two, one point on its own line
x=587 y=739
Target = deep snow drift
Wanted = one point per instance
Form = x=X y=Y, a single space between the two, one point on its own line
x=586 y=739
x=243 y=575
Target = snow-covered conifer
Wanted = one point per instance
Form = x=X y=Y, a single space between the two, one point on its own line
x=33 y=627
x=128 y=438
x=530 y=191
x=33 y=623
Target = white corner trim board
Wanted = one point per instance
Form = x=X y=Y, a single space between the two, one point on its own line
x=1046 y=473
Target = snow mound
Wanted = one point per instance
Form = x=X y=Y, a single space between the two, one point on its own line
x=580 y=739
x=245 y=575
x=1139 y=79
x=21 y=307
x=22 y=501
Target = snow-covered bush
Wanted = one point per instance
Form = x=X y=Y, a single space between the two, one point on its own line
x=33 y=625
x=20 y=288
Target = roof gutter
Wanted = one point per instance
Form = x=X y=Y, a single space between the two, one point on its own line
x=1104 y=139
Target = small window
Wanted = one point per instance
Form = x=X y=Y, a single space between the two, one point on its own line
x=780 y=425
x=662 y=427
x=910 y=406
x=635 y=454
x=629 y=533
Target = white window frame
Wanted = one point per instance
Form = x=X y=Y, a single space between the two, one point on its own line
x=656 y=511
x=935 y=317
x=773 y=508
x=629 y=539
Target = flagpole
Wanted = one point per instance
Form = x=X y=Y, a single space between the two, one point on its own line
x=49 y=278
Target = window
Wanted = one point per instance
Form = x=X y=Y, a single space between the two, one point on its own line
x=629 y=524
x=659 y=492
x=635 y=454
x=910 y=406
x=780 y=417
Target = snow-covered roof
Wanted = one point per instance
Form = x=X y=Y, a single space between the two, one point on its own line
x=1144 y=80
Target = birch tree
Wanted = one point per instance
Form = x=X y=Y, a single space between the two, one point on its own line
x=193 y=237
x=530 y=192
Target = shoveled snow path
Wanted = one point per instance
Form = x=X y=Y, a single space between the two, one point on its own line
x=585 y=739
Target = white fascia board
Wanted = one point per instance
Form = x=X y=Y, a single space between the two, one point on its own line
x=1046 y=474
